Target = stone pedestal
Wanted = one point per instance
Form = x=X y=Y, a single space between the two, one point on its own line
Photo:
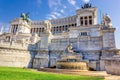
x=45 y=40
x=42 y=58
x=112 y=65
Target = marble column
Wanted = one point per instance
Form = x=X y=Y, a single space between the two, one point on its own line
x=11 y=28
x=78 y=21
x=32 y=30
x=58 y=29
x=38 y=31
x=64 y=28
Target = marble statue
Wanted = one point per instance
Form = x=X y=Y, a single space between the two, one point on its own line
x=106 y=21
x=69 y=49
x=47 y=25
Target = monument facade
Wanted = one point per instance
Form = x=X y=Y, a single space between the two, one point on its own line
x=38 y=44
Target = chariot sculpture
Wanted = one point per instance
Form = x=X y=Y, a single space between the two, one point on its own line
x=25 y=16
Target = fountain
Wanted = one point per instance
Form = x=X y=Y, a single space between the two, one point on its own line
x=71 y=60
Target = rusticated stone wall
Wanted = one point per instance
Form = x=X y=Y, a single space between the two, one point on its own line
x=14 y=55
x=15 y=58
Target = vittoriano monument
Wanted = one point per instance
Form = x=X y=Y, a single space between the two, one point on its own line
x=74 y=42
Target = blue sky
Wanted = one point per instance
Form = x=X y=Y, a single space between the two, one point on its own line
x=52 y=9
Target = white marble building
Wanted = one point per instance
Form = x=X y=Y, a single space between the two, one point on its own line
x=46 y=41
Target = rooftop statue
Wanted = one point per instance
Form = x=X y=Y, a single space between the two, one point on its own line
x=86 y=5
x=47 y=25
x=25 y=16
x=106 y=21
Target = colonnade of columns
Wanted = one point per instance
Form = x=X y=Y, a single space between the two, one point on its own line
x=57 y=29
x=86 y=20
x=14 y=29
x=37 y=30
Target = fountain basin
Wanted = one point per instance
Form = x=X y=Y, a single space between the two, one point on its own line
x=72 y=65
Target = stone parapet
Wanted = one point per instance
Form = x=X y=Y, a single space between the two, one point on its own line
x=13 y=45
x=18 y=46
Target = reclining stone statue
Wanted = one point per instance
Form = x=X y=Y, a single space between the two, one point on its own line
x=69 y=49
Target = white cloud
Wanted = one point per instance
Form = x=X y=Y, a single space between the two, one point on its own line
x=56 y=8
x=64 y=6
x=53 y=15
x=72 y=2
x=62 y=11
x=86 y=1
x=49 y=18
x=59 y=8
x=53 y=3
x=56 y=13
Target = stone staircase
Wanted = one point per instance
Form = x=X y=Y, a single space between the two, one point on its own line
x=82 y=72
x=75 y=72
